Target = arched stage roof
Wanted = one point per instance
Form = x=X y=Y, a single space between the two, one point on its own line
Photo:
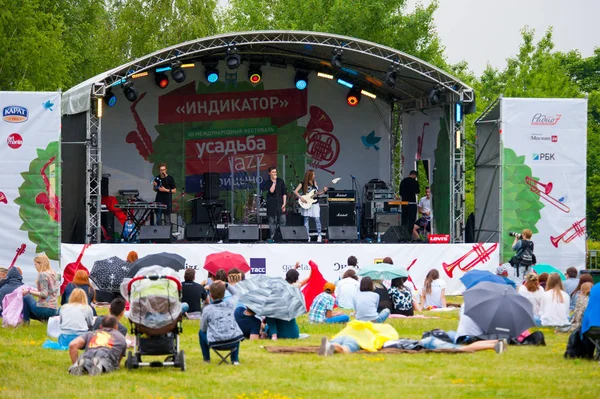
x=364 y=63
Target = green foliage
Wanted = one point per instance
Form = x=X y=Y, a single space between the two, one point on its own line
x=440 y=189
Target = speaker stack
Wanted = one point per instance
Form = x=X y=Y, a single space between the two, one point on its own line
x=397 y=234
x=342 y=210
x=212 y=185
x=294 y=233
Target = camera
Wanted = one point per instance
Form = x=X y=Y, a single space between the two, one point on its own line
x=514 y=234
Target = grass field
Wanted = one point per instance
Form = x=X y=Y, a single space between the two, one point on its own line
x=29 y=371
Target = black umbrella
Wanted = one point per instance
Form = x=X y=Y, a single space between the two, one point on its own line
x=108 y=274
x=498 y=309
x=164 y=259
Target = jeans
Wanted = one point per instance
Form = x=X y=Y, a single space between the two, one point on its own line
x=348 y=342
x=235 y=355
x=343 y=318
x=436 y=343
x=382 y=316
x=32 y=311
x=317 y=222
x=275 y=222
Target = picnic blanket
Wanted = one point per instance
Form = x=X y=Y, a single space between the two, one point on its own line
x=392 y=351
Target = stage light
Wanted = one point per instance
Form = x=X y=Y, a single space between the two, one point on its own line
x=368 y=94
x=161 y=80
x=324 y=75
x=211 y=74
x=162 y=69
x=301 y=80
x=130 y=92
x=190 y=65
x=336 y=58
x=139 y=75
x=353 y=97
x=233 y=59
x=177 y=72
x=109 y=98
x=458 y=112
x=458 y=139
x=344 y=83
x=254 y=74
x=99 y=108
x=390 y=76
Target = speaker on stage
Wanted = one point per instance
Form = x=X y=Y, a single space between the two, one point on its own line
x=294 y=233
x=201 y=231
x=155 y=234
x=107 y=220
x=397 y=234
x=212 y=185
x=342 y=214
x=342 y=233
x=243 y=233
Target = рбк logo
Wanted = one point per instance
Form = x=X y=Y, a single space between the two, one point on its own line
x=544 y=156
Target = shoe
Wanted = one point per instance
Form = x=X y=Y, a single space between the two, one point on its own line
x=319 y=239
x=236 y=363
x=96 y=368
x=77 y=367
x=207 y=361
x=326 y=349
x=500 y=346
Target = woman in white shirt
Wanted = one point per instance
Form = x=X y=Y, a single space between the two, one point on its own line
x=433 y=293
x=533 y=292
x=75 y=317
x=366 y=302
x=554 y=308
x=346 y=289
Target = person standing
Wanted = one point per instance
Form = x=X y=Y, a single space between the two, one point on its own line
x=524 y=252
x=409 y=190
x=276 y=200
x=164 y=185
x=309 y=184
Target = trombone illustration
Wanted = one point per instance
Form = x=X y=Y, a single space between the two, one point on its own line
x=543 y=190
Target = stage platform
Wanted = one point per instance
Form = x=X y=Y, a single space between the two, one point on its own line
x=451 y=260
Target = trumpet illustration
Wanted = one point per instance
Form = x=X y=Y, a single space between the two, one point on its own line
x=478 y=254
x=576 y=230
x=543 y=190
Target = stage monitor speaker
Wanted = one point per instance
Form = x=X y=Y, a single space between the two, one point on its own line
x=342 y=214
x=397 y=234
x=212 y=185
x=384 y=221
x=200 y=213
x=342 y=233
x=294 y=233
x=201 y=231
x=107 y=220
x=155 y=234
x=243 y=233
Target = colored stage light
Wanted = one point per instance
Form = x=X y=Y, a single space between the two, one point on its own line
x=368 y=94
x=353 y=98
x=139 y=75
x=212 y=75
x=232 y=59
x=99 y=108
x=130 y=92
x=110 y=99
x=254 y=74
x=344 y=83
x=190 y=65
x=162 y=69
x=301 y=80
x=458 y=114
x=390 y=77
x=177 y=72
x=161 y=80
x=324 y=75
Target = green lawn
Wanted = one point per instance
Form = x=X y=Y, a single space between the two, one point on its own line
x=29 y=371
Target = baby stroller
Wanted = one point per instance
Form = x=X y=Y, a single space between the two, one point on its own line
x=155 y=316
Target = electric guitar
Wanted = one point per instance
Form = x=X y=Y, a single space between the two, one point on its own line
x=308 y=197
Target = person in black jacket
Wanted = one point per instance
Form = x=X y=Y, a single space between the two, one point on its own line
x=409 y=190
x=276 y=200
x=193 y=293
x=13 y=280
x=164 y=185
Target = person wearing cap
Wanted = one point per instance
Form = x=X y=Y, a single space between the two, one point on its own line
x=321 y=310
x=502 y=272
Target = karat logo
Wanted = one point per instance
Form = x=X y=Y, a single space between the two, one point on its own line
x=15 y=114
x=545 y=120
x=14 y=141
x=258 y=266
x=544 y=156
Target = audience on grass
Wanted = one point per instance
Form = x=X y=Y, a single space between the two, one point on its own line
x=503 y=272
x=591 y=316
x=366 y=303
x=352 y=264
x=193 y=293
x=321 y=310
x=402 y=298
x=116 y=309
x=554 y=307
x=533 y=292
x=81 y=279
x=580 y=306
x=346 y=289
x=48 y=289
x=12 y=281
x=103 y=349
x=433 y=293
x=583 y=278
x=3 y=273
x=248 y=322
x=543 y=279
x=76 y=317
x=572 y=281
x=132 y=256
x=285 y=329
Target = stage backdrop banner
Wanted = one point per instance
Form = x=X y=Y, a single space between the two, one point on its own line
x=29 y=179
x=451 y=260
x=544 y=177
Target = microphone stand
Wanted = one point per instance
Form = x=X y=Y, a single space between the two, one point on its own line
x=357 y=206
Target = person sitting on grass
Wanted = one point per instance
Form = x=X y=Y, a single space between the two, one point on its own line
x=580 y=306
x=218 y=326
x=248 y=323
x=533 y=292
x=76 y=317
x=543 y=279
x=48 y=289
x=366 y=303
x=285 y=329
x=321 y=310
x=433 y=293
x=346 y=289
x=103 y=349
x=13 y=280
x=117 y=309
x=193 y=293
x=584 y=278
x=502 y=272
x=554 y=307
x=402 y=298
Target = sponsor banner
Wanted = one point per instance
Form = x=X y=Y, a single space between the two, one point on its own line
x=439 y=238
x=451 y=260
x=544 y=177
x=237 y=180
x=229 y=132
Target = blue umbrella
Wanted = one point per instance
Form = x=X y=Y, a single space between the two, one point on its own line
x=383 y=271
x=474 y=277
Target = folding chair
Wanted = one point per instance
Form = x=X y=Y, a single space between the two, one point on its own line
x=593 y=334
x=227 y=349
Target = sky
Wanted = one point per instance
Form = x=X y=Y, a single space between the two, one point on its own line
x=488 y=31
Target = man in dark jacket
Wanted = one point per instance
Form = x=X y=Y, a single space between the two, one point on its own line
x=13 y=280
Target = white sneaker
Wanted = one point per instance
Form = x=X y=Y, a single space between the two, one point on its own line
x=326 y=349
x=308 y=238
x=319 y=239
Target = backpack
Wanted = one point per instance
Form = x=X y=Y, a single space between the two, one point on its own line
x=526 y=257
x=439 y=334
x=578 y=346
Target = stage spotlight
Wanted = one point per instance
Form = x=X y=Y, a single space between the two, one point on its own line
x=324 y=75
x=336 y=58
x=177 y=72
x=212 y=74
x=353 y=97
x=301 y=80
x=110 y=99
x=390 y=77
x=435 y=96
x=233 y=59
x=254 y=74
x=130 y=92
x=345 y=83
x=161 y=80
x=368 y=94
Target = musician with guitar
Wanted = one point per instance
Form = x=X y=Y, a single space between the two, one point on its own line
x=164 y=185
x=276 y=200
x=308 y=201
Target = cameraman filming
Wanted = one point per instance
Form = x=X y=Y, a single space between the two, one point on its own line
x=524 y=256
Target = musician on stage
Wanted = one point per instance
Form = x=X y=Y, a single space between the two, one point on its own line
x=276 y=200
x=424 y=222
x=314 y=211
x=164 y=185
x=409 y=190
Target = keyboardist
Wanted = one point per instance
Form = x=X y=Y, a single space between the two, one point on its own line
x=164 y=185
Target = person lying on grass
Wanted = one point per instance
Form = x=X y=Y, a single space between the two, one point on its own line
x=104 y=349
x=321 y=310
